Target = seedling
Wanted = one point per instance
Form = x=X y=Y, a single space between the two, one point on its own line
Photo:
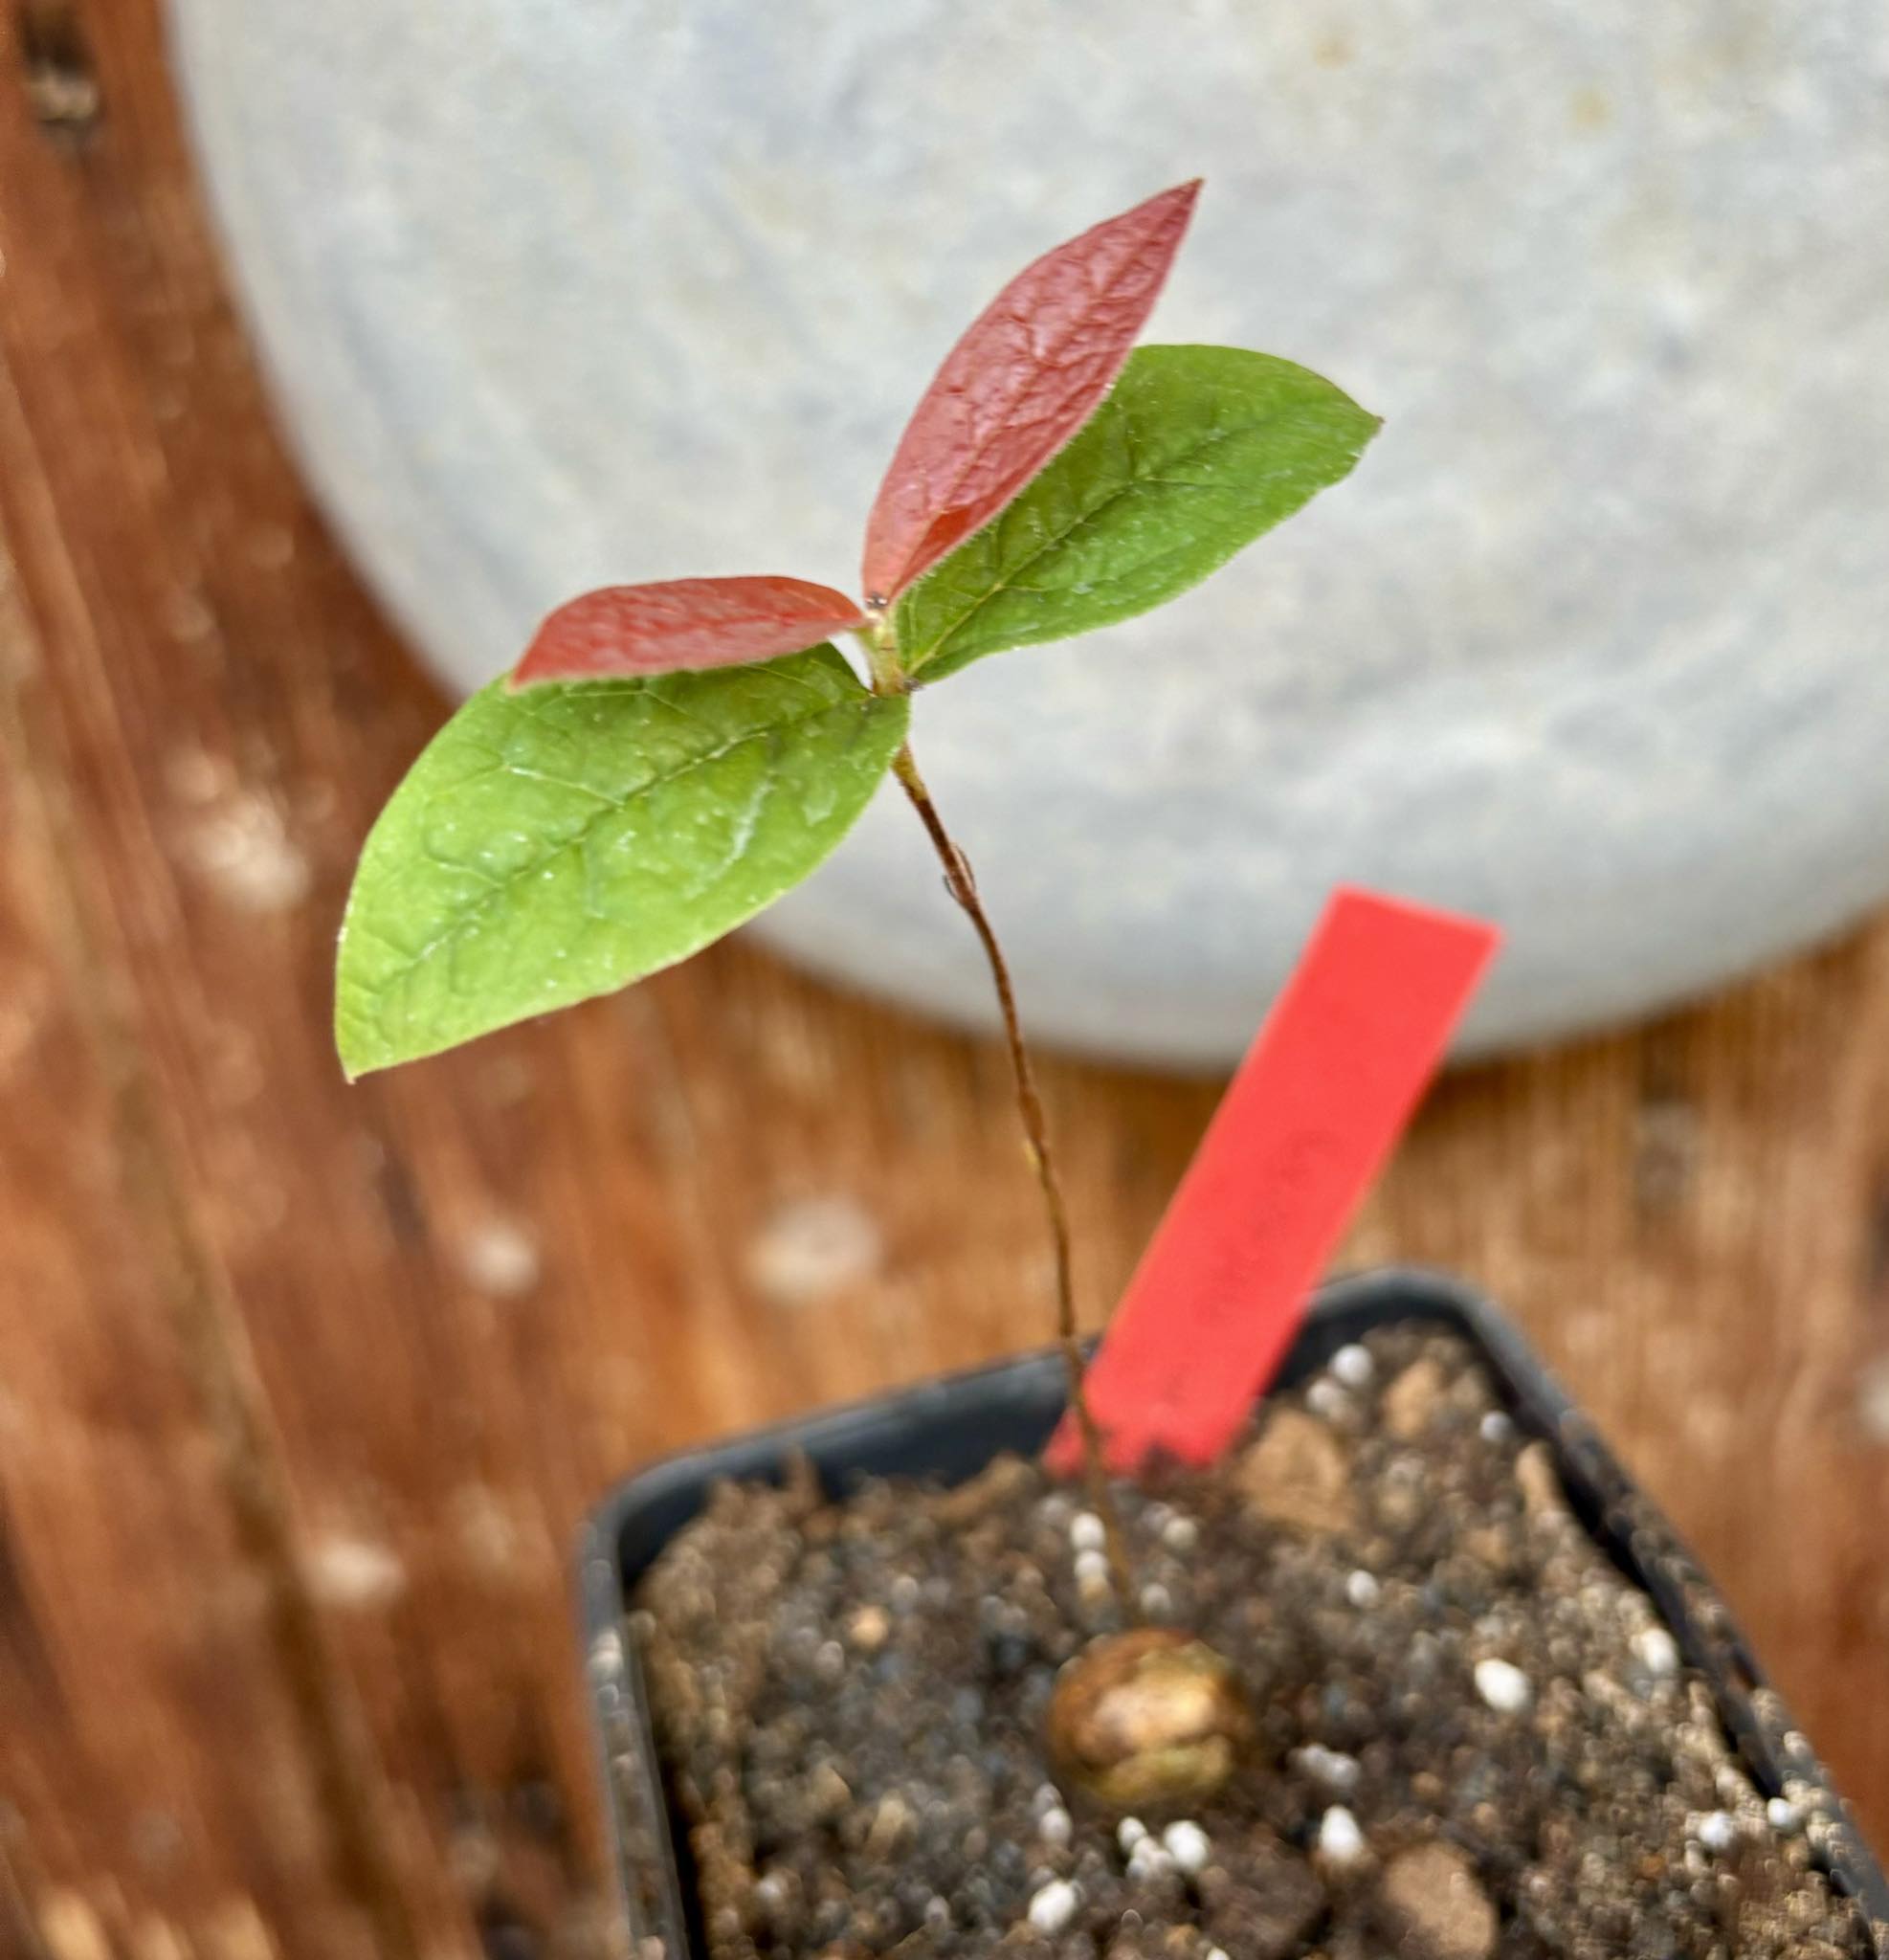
x=667 y=759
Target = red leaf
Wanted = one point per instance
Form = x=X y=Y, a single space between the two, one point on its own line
x=682 y=623
x=1029 y=371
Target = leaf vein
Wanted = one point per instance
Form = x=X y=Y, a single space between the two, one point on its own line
x=1088 y=515
x=465 y=919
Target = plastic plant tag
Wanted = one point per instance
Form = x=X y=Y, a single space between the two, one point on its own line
x=1312 y=1115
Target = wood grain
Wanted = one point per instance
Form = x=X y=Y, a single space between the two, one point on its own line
x=303 y=1388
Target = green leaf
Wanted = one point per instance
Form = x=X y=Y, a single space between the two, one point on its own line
x=1196 y=451
x=558 y=842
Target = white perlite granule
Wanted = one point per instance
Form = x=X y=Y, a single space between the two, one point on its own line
x=1340 y=1840
x=1054 y=1905
x=1353 y=1365
x=1188 y=1845
x=1656 y=1651
x=1503 y=1687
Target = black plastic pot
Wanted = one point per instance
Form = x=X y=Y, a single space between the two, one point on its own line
x=949 y=1429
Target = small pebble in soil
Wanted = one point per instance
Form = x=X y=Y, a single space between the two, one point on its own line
x=1495 y=1428
x=1341 y=1842
x=1361 y=1590
x=1180 y=1534
x=1540 y=1483
x=1054 y=1905
x=1055 y=1827
x=1410 y=1403
x=1327 y=1398
x=1431 y=1903
x=1784 y=1817
x=1353 y=1365
x=1297 y=1473
x=1128 y=1834
x=1087 y=1532
x=1503 y=1685
x=868 y=1628
x=1716 y=1830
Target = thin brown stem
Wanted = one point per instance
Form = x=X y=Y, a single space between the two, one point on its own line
x=962 y=883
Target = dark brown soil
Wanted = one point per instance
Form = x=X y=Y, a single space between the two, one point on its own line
x=1474 y=1737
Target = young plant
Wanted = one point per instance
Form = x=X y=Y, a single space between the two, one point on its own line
x=668 y=759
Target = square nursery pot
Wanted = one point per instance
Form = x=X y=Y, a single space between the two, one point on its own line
x=949 y=1429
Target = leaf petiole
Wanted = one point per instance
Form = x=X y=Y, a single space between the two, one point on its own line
x=880 y=639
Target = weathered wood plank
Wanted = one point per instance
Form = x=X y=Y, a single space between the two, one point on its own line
x=303 y=1389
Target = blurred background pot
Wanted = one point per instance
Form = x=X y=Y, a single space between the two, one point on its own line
x=1592 y=643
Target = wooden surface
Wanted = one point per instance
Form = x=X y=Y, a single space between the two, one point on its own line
x=303 y=1389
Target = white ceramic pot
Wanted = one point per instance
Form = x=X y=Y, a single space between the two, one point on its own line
x=556 y=292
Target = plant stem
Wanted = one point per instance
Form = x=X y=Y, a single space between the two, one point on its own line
x=962 y=884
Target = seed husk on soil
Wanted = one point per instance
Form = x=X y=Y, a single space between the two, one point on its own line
x=1150 y=1717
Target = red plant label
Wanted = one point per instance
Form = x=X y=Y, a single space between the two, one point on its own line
x=1029 y=370
x=1309 y=1120
x=683 y=623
